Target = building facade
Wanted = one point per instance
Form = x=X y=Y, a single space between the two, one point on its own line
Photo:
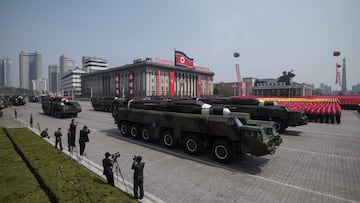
x=145 y=78
x=5 y=65
x=93 y=64
x=40 y=86
x=70 y=84
x=54 y=78
x=30 y=68
x=66 y=64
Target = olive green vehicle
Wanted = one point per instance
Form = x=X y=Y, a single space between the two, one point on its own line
x=60 y=107
x=197 y=127
x=107 y=104
x=262 y=110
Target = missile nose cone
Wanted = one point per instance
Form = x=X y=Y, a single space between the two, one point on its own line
x=226 y=111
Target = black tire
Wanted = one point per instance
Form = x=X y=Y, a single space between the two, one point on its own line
x=134 y=131
x=194 y=144
x=146 y=134
x=124 y=128
x=279 y=126
x=168 y=139
x=222 y=151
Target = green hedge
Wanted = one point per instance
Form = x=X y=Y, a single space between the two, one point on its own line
x=17 y=182
x=46 y=161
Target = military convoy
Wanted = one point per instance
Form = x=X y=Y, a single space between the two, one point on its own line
x=106 y=104
x=33 y=98
x=17 y=100
x=262 y=110
x=198 y=126
x=60 y=107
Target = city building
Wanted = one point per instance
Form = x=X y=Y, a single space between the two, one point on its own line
x=54 y=79
x=5 y=65
x=30 y=68
x=356 y=89
x=66 y=64
x=145 y=78
x=70 y=84
x=93 y=64
x=343 y=82
x=325 y=89
x=39 y=86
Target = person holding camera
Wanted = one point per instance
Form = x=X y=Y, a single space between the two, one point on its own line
x=83 y=139
x=108 y=165
x=138 y=168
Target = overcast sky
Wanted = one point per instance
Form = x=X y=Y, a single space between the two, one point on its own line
x=270 y=35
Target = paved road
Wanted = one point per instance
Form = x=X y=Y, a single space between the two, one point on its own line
x=315 y=163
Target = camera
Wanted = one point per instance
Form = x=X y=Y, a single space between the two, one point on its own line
x=137 y=158
x=115 y=156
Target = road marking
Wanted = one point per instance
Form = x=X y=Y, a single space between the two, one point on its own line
x=320 y=153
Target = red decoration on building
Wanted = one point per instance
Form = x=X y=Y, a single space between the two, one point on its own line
x=158 y=84
x=199 y=86
x=117 y=84
x=171 y=88
x=131 y=77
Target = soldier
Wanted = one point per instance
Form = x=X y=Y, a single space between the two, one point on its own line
x=73 y=125
x=83 y=139
x=138 y=168
x=107 y=164
x=15 y=113
x=58 y=135
x=69 y=135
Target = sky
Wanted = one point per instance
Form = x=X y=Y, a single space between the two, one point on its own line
x=271 y=35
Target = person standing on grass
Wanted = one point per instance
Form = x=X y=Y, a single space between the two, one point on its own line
x=83 y=139
x=58 y=136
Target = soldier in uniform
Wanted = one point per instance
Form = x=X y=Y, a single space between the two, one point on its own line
x=138 y=168
x=58 y=136
x=108 y=165
x=73 y=132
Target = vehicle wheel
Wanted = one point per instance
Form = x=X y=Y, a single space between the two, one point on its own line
x=194 y=144
x=168 y=139
x=124 y=128
x=134 y=130
x=279 y=126
x=145 y=134
x=222 y=151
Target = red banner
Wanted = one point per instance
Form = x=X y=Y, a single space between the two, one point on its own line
x=207 y=86
x=182 y=60
x=171 y=88
x=131 y=77
x=199 y=86
x=158 y=84
x=117 y=84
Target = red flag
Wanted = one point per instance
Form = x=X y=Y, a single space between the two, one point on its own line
x=182 y=60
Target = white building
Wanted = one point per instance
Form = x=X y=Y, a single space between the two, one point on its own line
x=71 y=83
x=40 y=85
x=93 y=64
x=66 y=64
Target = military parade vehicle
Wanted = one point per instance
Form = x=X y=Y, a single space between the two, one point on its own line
x=197 y=126
x=33 y=98
x=60 y=107
x=107 y=104
x=262 y=110
x=17 y=100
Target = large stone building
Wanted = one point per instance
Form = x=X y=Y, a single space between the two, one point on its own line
x=93 y=64
x=146 y=78
x=5 y=71
x=30 y=68
x=71 y=82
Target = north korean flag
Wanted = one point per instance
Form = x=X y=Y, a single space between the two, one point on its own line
x=182 y=60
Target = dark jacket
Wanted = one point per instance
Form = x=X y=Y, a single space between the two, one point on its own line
x=84 y=135
x=138 y=168
x=107 y=164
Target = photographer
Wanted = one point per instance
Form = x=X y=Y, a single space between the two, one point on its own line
x=108 y=165
x=138 y=168
x=83 y=139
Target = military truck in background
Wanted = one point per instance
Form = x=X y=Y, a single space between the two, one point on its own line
x=197 y=127
x=33 y=98
x=107 y=104
x=17 y=100
x=60 y=107
x=262 y=110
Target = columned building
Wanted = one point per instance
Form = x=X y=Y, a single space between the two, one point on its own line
x=145 y=78
x=30 y=65
x=54 y=79
x=271 y=87
x=71 y=83
x=93 y=64
x=5 y=71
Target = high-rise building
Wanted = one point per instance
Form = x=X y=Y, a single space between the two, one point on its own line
x=66 y=64
x=93 y=64
x=30 y=65
x=343 y=84
x=5 y=71
x=54 y=78
x=39 y=85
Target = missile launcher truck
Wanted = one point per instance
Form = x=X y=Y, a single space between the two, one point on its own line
x=196 y=126
x=60 y=107
x=107 y=104
x=262 y=110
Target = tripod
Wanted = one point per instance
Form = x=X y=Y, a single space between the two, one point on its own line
x=118 y=171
